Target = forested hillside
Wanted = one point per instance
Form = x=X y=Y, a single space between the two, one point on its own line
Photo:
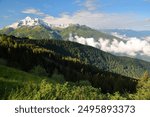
x=25 y=55
x=95 y=57
x=51 y=72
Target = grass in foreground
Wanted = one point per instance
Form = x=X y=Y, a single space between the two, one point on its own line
x=18 y=85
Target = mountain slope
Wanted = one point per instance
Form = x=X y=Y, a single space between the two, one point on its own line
x=27 y=54
x=102 y=60
x=92 y=56
x=34 y=32
x=34 y=28
x=12 y=79
x=86 y=32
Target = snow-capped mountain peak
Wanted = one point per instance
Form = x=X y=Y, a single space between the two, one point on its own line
x=28 y=18
x=28 y=21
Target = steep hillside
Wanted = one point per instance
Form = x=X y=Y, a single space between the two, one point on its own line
x=11 y=79
x=34 y=32
x=28 y=54
x=16 y=84
x=102 y=60
x=84 y=31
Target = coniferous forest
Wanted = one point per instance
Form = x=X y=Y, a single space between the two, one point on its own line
x=62 y=70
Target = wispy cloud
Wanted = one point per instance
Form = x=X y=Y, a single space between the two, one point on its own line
x=100 y=20
x=33 y=11
x=90 y=5
x=77 y=1
x=132 y=47
x=6 y=16
x=94 y=19
x=147 y=20
x=147 y=0
x=64 y=19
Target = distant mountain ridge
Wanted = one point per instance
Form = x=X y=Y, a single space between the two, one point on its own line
x=37 y=29
x=34 y=28
x=128 y=33
x=86 y=32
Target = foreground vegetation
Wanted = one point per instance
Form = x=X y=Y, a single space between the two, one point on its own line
x=28 y=86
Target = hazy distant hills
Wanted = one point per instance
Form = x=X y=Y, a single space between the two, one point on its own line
x=128 y=33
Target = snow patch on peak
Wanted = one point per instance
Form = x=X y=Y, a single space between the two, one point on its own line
x=28 y=21
x=14 y=25
x=28 y=18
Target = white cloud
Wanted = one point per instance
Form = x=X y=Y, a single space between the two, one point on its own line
x=119 y=35
x=77 y=1
x=133 y=47
x=147 y=0
x=100 y=20
x=90 y=5
x=95 y=19
x=33 y=11
x=147 y=38
x=6 y=16
x=65 y=19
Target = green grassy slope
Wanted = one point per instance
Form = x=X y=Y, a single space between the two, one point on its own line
x=40 y=32
x=19 y=85
x=16 y=84
x=35 y=32
x=86 y=32
x=11 y=79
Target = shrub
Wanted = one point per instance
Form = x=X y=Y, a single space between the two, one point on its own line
x=3 y=61
x=59 y=78
x=38 y=70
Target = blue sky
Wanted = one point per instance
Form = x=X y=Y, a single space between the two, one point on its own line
x=132 y=14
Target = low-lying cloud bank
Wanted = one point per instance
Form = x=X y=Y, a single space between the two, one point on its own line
x=132 y=47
